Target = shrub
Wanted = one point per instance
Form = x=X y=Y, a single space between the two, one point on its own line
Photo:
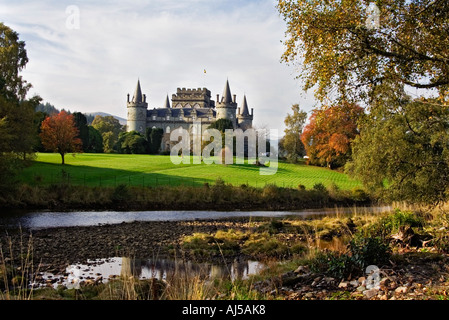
x=359 y=195
x=361 y=253
x=385 y=226
x=333 y=264
x=319 y=187
x=275 y=226
x=120 y=193
x=270 y=191
x=368 y=251
x=403 y=218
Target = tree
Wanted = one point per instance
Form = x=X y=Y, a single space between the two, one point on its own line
x=59 y=134
x=81 y=124
x=13 y=58
x=132 y=143
x=95 y=144
x=291 y=142
x=39 y=117
x=17 y=130
x=154 y=139
x=221 y=125
x=341 y=54
x=329 y=134
x=402 y=152
x=47 y=108
x=345 y=58
x=109 y=128
x=21 y=124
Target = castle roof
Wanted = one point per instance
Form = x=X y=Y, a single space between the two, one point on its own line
x=226 y=98
x=167 y=103
x=137 y=98
x=245 y=111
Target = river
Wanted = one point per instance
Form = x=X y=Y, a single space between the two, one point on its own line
x=50 y=219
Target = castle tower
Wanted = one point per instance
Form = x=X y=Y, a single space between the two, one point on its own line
x=245 y=119
x=226 y=107
x=137 y=111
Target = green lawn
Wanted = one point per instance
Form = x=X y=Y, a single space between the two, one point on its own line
x=113 y=169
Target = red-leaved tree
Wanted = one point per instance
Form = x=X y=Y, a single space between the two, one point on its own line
x=59 y=134
x=328 y=135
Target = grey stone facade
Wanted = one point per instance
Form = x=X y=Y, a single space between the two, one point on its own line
x=191 y=109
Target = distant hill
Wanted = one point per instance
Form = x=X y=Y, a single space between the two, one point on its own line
x=47 y=108
x=51 y=109
x=90 y=117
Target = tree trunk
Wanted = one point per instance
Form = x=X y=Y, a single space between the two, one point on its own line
x=62 y=156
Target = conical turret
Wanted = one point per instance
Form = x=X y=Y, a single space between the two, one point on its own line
x=226 y=98
x=245 y=111
x=245 y=119
x=167 y=103
x=137 y=98
x=137 y=111
x=226 y=107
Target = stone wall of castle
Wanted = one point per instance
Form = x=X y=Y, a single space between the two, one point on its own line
x=136 y=119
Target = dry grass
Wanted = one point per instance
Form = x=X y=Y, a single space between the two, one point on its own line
x=16 y=273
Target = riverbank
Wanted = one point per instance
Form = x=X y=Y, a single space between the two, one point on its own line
x=306 y=258
x=218 y=196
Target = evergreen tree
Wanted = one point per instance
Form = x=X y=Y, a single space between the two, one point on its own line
x=154 y=139
x=81 y=124
x=95 y=143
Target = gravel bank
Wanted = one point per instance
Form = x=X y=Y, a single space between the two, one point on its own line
x=55 y=248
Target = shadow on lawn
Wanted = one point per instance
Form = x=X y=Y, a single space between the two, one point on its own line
x=48 y=174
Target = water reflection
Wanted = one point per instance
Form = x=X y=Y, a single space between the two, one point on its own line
x=103 y=270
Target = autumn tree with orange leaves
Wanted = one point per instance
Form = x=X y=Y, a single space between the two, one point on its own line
x=328 y=135
x=59 y=134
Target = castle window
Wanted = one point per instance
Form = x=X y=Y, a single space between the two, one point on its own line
x=154 y=118
x=167 y=130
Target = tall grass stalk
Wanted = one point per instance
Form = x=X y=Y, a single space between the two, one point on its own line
x=17 y=279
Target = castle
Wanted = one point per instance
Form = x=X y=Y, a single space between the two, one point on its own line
x=191 y=109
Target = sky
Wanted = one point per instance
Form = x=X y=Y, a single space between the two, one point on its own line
x=87 y=56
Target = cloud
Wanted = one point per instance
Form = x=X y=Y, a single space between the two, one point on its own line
x=166 y=44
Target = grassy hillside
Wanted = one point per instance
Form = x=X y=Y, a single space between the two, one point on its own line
x=139 y=170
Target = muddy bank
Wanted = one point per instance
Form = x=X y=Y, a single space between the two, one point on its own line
x=52 y=249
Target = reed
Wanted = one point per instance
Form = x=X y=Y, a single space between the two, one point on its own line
x=17 y=273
